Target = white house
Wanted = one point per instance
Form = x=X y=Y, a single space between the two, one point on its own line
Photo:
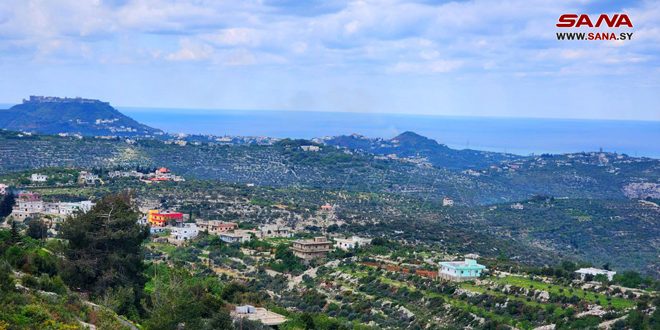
x=64 y=208
x=310 y=148
x=234 y=237
x=447 y=201
x=351 y=243
x=89 y=178
x=583 y=272
x=3 y=189
x=186 y=232
x=517 y=206
x=36 y=177
x=274 y=231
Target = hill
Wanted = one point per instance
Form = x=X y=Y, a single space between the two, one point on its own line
x=413 y=145
x=54 y=115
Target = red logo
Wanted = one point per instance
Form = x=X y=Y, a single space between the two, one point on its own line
x=583 y=20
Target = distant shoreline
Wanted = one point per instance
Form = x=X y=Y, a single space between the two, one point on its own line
x=521 y=136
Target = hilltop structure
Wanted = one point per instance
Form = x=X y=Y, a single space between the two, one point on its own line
x=35 y=99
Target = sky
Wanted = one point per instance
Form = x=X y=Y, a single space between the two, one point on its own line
x=458 y=58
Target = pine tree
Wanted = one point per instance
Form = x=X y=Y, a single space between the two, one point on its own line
x=15 y=234
x=105 y=247
x=37 y=229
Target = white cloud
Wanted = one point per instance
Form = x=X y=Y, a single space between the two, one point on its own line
x=191 y=51
x=437 y=66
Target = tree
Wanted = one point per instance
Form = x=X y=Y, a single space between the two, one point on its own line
x=308 y=320
x=37 y=229
x=7 y=205
x=105 y=247
x=178 y=299
x=15 y=234
x=6 y=279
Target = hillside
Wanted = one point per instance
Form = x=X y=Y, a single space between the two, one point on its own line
x=410 y=144
x=282 y=164
x=54 y=115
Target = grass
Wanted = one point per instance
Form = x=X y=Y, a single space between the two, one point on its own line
x=592 y=297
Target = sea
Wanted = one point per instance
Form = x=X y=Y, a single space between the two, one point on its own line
x=522 y=136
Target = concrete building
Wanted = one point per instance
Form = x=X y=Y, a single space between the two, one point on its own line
x=447 y=202
x=310 y=148
x=87 y=178
x=30 y=204
x=232 y=237
x=160 y=219
x=266 y=231
x=36 y=177
x=66 y=208
x=3 y=189
x=216 y=227
x=27 y=204
x=310 y=249
x=185 y=232
x=460 y=270
x=351 y=243
x=583 y=272
x=262 y=315
x=517 y=206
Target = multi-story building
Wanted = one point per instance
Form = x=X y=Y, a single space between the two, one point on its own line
x=185 y=232
x=216 y=227
x=27 y=204
x=310 y=249
x=460 y=271
x=160 y=219
x=30 y=204
x=351 y=243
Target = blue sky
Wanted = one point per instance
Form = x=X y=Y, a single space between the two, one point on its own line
x=469 y=58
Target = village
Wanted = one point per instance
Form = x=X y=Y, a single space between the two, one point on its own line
x=311 y=258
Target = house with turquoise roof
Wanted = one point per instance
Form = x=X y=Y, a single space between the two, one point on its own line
x=459 y=271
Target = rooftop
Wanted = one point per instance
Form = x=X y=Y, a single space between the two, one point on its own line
x=260 y=314
x=591 y=270
x=466 y=264
x=314 y=241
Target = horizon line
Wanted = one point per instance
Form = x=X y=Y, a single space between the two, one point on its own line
x=211 y=110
